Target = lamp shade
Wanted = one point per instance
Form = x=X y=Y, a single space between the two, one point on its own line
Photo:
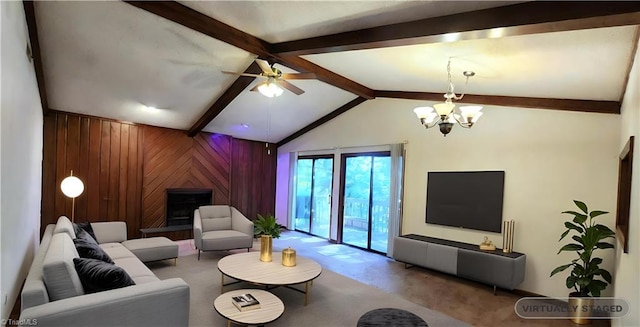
x=270 y=89
x=445 y=108
x=72 y=186
x=471 y=113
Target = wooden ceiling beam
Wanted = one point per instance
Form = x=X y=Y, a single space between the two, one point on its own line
x=518 y=19
x=327 y=76
x=606 y=107
x=204 y=24
x=322 y=120
x=32 y=27
x=223 y=101
x=199 y=22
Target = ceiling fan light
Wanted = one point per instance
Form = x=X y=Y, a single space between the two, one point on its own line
x=270 y=89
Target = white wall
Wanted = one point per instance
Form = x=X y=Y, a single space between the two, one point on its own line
x=21 y=155
x=627 y=270
x=550 y=158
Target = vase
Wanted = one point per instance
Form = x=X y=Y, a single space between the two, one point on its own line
x=580 y=309
x=265 y=248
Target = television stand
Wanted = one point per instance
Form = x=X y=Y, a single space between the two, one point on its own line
x=504 y=270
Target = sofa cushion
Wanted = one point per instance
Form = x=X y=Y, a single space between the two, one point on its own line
x=58 y=271
x=97 y=275
x=87 y=247
x=86 y=226
x=215 y=217
x=110 y=232
x=64 y=225
x=136 y=270
x=117 y=251
x=226 y=239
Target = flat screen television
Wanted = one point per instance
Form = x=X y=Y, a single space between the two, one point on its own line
x=466 y=199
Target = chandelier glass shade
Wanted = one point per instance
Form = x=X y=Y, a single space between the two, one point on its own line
x=444 y=115
x=270 y=88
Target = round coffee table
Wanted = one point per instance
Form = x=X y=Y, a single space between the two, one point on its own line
x=271 y=308
x=247 y=267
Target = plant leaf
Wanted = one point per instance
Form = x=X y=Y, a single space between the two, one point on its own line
x=604 y=245
x=564 y=234
x=573 y=226
x=597 y=213
x=571 y=247
x=604 y=229
x=606 y=275
x=561 y=268
x=582 y=206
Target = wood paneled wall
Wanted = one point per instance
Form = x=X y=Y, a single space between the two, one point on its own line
x=253 y=177
x=127 y=168
x=106 y=156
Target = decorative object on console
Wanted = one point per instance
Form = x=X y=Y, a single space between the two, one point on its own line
x=487 y=245
x=508 y=228
x=468 y=116
x=72 y=187
x=267 y=228
x=289 y=257
x=587 y=279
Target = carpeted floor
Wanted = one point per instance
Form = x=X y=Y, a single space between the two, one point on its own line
x=334 y=300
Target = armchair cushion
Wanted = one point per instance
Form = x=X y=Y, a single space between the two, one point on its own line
x=215 y=218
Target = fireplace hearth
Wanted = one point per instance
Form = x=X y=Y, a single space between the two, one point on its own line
x=181 y=202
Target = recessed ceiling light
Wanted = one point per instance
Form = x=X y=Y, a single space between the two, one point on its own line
x=244 y=125
x=149 y=108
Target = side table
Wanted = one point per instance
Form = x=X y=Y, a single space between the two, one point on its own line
x=271 y=308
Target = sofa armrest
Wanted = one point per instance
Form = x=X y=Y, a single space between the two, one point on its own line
x=241 y=223
x=110 y=231
x=197 y=229
x=161 y=303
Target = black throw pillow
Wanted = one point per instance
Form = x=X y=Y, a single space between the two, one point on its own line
x=88 y=248
x=87 y=227
x=97 y=276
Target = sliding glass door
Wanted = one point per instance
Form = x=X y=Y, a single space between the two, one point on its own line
x=314 y=179
x=366 y=180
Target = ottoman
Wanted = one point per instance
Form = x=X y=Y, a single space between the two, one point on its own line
x=390 y=317
x=153 y=248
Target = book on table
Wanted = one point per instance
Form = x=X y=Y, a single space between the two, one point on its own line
x=245 y=302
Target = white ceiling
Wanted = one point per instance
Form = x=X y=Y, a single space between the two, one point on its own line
x=110 y=59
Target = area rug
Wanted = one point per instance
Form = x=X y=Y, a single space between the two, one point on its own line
x=334 y=300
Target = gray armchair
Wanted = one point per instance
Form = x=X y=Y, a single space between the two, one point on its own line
x=221 y=227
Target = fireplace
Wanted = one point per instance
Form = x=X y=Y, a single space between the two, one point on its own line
x=181 y=202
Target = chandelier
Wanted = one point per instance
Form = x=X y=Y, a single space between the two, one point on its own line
x=445 y=113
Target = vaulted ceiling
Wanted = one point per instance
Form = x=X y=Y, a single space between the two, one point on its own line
x=116 y=59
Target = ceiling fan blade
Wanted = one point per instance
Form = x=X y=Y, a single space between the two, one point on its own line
x=241 y=74
x=290 y=87
x=264 y=65
x=299 y=76
x=255 y=88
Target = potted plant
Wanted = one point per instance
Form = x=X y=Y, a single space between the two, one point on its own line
x=267 y=228
x=586 y=279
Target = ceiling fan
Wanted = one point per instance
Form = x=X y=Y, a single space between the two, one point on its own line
x=275 y=80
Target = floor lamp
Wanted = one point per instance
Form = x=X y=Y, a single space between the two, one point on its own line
x=72 y=187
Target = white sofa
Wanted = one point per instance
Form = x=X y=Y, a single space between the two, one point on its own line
x=221 y=227
x=53 y=294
